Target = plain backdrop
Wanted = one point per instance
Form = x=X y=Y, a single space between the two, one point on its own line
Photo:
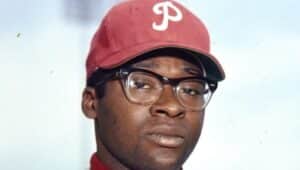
x=252 y=122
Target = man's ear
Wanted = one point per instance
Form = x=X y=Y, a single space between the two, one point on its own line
x=88 y=103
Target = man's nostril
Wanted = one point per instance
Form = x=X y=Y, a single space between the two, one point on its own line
x=161 y=111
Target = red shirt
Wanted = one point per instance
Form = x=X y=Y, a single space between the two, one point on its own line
x=96 y=164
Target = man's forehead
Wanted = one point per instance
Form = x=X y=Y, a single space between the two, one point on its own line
x=161 y=62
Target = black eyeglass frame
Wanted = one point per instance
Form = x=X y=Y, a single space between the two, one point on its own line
x=123 y=73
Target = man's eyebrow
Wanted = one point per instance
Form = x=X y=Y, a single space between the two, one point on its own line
x=193 y=71
x=147 y=64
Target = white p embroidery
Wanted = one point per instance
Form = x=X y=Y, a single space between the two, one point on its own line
x=162 y=8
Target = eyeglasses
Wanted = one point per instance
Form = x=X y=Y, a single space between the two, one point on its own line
x=146 y=87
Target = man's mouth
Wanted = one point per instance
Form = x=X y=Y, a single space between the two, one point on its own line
x=170 y=141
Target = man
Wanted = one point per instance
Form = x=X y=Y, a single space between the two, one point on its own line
x=150 y=76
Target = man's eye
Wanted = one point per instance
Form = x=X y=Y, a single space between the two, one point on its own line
x=190 y=91
x=140 y=85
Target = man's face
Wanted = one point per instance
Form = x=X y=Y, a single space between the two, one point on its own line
x=148 y=137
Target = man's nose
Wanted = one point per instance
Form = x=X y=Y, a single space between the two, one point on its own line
x=168 y=104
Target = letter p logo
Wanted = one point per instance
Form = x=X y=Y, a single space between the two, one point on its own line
x=162 y=8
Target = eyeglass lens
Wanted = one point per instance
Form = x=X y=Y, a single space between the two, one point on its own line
x=144 y=88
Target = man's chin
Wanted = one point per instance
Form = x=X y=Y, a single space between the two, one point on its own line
x=165 y=160
x=167 y=164
x=161 y=165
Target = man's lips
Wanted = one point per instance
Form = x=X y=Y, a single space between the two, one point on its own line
x=166 y=136
x=166 y=140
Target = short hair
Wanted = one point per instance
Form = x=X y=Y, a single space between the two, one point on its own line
x=96 y=77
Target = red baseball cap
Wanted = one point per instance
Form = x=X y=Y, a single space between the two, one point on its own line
x=136 y=27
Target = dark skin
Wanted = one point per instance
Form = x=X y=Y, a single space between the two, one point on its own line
x=123 y=128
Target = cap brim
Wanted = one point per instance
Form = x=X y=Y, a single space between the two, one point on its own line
x=212 y=66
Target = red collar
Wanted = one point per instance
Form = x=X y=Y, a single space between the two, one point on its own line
x=96 y=164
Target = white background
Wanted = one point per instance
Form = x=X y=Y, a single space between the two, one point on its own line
x=252 y=123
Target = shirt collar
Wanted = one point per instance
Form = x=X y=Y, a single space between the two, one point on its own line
x=96 y=164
